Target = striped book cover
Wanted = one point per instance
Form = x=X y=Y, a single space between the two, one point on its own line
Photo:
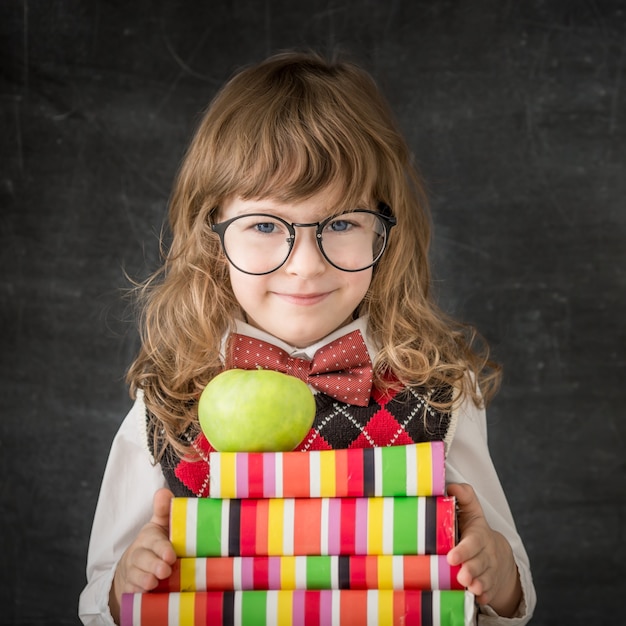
x=203 y=527
x=296 y=608
x=411 y=470
x=244 y=573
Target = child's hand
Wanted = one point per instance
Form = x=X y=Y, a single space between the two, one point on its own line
x=488 y=568
x=148 y=559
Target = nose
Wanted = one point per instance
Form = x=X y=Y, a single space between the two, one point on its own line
x=306 y=259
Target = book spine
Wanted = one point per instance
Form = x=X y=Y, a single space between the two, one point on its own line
x=205 y=527
x=314 y=608
x=407 y=470
x=237 y=573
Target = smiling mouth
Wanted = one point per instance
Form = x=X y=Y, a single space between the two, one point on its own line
x=303 y=299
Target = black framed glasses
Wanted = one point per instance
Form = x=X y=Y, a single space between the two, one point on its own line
x=260 y=243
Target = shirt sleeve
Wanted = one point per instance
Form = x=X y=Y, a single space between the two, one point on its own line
x=468 y=461
x=124 y=507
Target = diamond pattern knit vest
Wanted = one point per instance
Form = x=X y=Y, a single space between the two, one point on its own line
x=389 y=419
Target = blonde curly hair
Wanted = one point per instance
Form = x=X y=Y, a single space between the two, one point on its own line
x=287 y=128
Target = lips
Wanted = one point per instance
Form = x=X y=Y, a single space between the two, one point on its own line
x=303 y=299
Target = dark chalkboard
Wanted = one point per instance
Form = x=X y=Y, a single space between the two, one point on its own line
x=516 y=112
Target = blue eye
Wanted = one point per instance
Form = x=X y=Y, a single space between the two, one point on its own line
x=265 y=227
x=339 y=226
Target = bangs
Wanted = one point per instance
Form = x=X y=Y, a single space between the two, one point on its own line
x=288 y=138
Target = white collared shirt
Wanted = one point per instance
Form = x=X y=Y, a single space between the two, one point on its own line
x=130 y=481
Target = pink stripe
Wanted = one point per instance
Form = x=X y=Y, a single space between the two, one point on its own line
x=444 y=572
x=360 y=539
x=269 y=476
x=334 y=526
x=241 y=465
x=298 y=606
x=247 y=572
x=126 y=613
x=273 y=573
x=438 y=471
x=326 y=606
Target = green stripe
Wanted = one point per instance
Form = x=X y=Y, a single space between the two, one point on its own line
x=209 y=527
x=394 y=470
x=452 y=605
x=318 y=575
x=253 y=608
x=405 y=525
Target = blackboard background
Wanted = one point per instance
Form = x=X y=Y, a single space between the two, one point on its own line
x=516 y=113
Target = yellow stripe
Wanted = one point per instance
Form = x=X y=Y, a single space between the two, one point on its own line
x=385 y=572
x=425 y=468
x=328 y=482
x=275 y=526
x=186 y=609
x=178 y=527
x=188 y=575
x=284 y=608
x=375 y=525
x=228 y=475
x=385 y=606
x=288 y=572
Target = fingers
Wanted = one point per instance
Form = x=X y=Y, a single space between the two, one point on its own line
x=161 y=545
x=161 y=508
x=472 y=525
x=149 y=558
x=467 y=501
x=488 y=569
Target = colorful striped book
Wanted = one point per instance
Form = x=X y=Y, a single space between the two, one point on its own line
x=203 y=527
x=411 y=470
x=243 y=573
x=296 y=608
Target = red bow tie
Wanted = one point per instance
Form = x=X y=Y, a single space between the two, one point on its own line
x=341 y=369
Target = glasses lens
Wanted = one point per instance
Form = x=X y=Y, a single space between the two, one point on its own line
x=257 y=244
x=354 y=241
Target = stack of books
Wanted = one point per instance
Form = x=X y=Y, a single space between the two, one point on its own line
x=336 y=537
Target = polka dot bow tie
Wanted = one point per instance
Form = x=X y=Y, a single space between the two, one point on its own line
x=341 y=369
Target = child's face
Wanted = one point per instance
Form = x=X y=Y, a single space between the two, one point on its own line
x=306 y=298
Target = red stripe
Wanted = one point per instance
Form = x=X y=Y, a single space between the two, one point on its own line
x=255 y=475
x=248 y=527
x=454 y=572
x=359 y=573
x=312 y=608
x=347 y=534
x=409 y=608
x=214 y=615
x=354 y=473
x=445 y=525
x=260 y=572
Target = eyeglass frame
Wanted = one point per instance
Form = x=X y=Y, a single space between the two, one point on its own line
x=384 y=212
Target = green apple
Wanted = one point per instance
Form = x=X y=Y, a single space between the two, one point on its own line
x=255 y=411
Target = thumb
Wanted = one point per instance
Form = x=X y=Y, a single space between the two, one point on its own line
x=161 y=508
x=467 y=501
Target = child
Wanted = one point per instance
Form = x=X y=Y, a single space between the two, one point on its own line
x=297 y=219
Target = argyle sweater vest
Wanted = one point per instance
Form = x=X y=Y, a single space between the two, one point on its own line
x=396 y=418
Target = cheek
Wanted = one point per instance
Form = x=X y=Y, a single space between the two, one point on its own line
x=246 y=288
x=361 y=283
